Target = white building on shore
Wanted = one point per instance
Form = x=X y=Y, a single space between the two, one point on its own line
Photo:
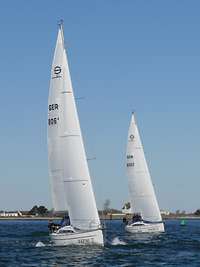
x=10 y=214
x=164 y=212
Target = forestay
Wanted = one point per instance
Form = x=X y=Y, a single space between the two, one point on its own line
x=143 y=199
x=70 y=158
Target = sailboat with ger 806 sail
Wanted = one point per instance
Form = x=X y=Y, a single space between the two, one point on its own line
x=68 y=169
x=146 y=213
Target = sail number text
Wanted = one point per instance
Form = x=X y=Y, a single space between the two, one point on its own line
x=130 y=164
x=53 y=121
x=53 y=107
x=86 y=241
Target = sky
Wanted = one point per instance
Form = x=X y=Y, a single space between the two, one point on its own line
x=123 y=56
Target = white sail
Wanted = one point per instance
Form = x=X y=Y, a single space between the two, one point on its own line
x=69 y=152
x=54 y=129
x=143 y=199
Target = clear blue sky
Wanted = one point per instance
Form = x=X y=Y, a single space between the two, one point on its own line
x=123 y=55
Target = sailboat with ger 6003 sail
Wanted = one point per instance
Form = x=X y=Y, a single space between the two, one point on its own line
x=146 y=214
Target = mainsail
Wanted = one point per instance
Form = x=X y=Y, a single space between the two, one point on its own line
x=68 y=164
x=142 y=195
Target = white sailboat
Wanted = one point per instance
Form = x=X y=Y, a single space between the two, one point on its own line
x=146 y=213
x=69 y=174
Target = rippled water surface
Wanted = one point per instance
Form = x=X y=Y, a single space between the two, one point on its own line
x=179 y=246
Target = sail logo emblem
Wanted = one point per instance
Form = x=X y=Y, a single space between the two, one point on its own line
x=57 y=70
x=131 y=137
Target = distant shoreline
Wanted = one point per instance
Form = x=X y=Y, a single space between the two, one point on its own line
x=104 y=217
x=36 y=218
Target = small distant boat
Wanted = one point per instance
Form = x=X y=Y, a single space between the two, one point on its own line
x=146 y=213
x=183 y=222
x=69 y=174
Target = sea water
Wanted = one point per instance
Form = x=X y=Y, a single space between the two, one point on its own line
x=27 y=243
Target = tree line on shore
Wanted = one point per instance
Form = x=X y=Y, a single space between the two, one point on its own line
x=43 y=211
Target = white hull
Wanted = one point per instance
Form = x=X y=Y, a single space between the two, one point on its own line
x=93 y=237
x=145 y=227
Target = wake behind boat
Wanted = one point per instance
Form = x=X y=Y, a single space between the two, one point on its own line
x=69 y=174
x=146 y=214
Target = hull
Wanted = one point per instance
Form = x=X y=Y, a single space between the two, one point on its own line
x=94 y=237
x=145 y=227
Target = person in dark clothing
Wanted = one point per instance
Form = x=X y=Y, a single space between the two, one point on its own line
x=53 y=227
x=136 y=218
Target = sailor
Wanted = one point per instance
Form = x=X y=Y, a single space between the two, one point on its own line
x=136 y=218
x=53 y=227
